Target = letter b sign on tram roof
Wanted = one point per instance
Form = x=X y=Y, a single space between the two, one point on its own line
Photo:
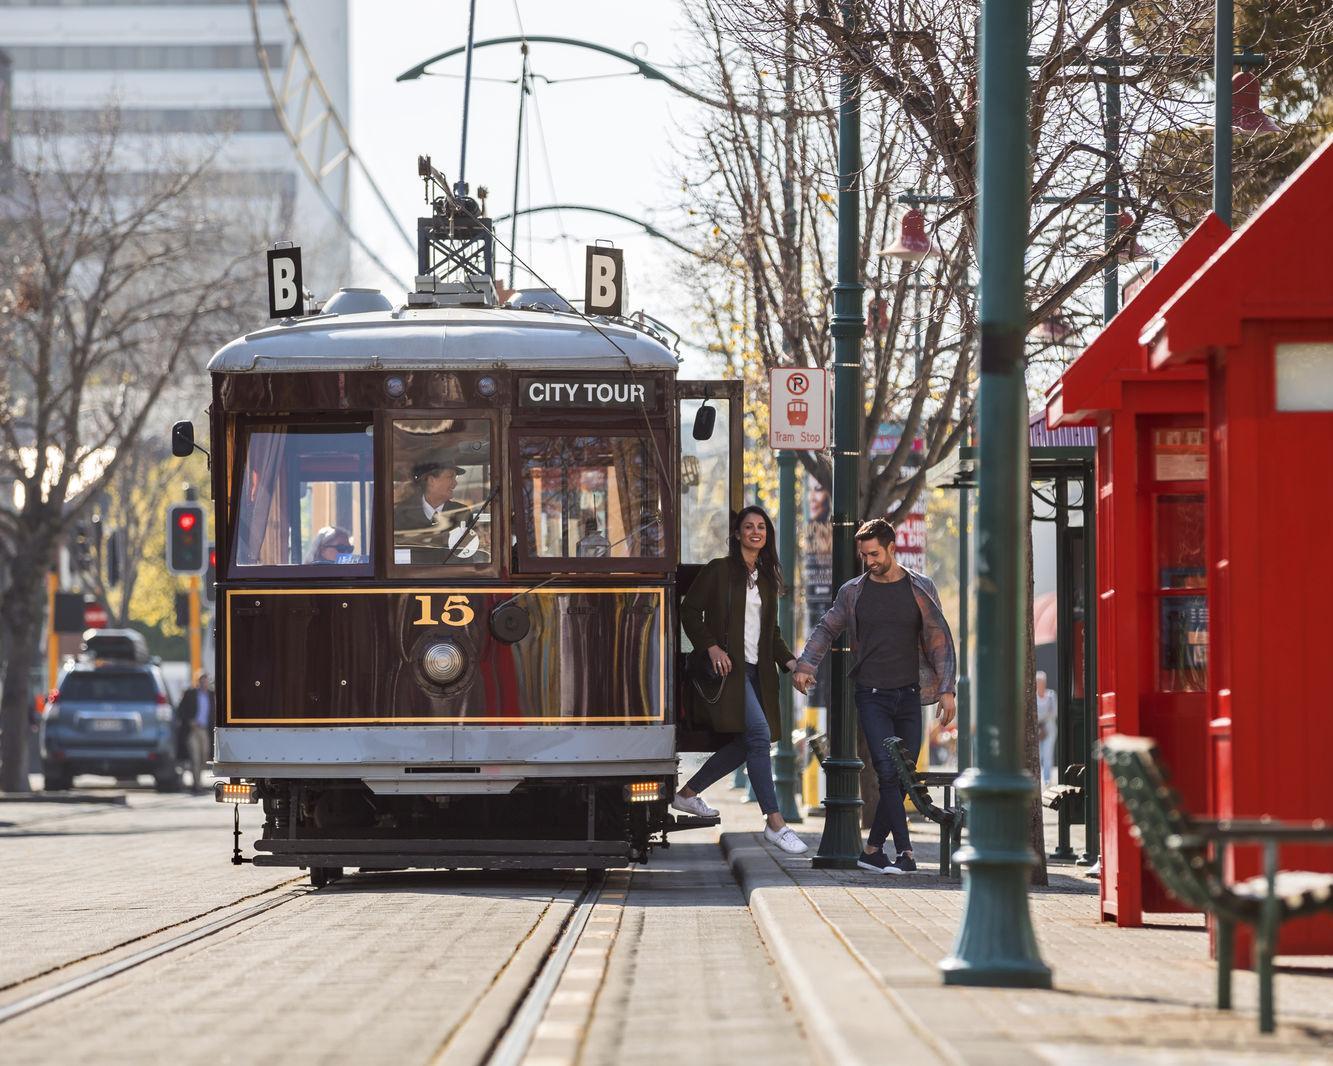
x=286 y=293
x=604 y=281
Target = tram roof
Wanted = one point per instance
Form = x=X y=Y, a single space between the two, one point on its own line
x=446 y=338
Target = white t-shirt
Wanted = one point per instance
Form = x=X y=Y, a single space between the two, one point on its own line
x=752 y=606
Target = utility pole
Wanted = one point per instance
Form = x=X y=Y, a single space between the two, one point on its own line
x=784 y=762
x=1223 y=26
x=996 y=945
x=841 y=843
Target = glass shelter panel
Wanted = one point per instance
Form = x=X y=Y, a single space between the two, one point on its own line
x=1182 y=616
x=705 y=485
x=590 y=497
x=305 y=497
x=443 y=491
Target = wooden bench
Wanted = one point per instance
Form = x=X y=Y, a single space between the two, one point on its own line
x=1187 y=854
x=1057 y=796
x=918 y=783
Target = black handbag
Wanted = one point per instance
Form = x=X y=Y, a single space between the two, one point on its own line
x=707 y=682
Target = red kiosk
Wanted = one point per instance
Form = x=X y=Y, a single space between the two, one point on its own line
x=1152 y=618
x=1258 y=319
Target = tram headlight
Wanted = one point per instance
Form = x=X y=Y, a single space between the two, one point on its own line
x=235 y=792
x=486 y=387
x=394 y=387
x=444 y=662
x=643 y=791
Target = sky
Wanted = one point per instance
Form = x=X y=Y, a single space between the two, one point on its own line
x=611 y=142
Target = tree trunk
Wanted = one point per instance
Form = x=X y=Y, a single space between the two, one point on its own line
x=1031 y=744
x=21 y=616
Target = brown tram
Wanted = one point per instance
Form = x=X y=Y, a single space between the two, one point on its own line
x=451 y=545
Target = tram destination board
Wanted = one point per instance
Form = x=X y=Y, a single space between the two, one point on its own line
x=587 y=394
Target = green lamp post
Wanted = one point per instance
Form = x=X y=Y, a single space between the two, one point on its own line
x=996 y=945
x=841 y=842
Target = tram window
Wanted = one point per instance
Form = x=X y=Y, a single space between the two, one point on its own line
x=705 y=485
x=590 y=498
x=442 y=491
x=305 y=498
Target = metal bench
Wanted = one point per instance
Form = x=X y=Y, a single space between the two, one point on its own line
x=917 y=784
x=1187 y=854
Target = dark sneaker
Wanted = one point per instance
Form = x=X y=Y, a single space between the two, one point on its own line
x=876 y=863
x=903 y=864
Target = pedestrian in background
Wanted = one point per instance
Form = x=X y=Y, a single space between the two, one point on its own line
x=1048 y=714
x=194 y=722
x=732 y=611
x=902 y=658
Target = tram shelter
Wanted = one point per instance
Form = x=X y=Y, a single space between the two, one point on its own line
x=1257 y=321
x=1152 y=606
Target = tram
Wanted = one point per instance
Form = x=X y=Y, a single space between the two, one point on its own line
x=452 y=538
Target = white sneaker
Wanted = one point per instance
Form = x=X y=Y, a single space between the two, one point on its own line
x=786 y=839
x=694 y=805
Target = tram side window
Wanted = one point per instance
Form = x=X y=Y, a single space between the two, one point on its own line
x=306 y=497
x=590 y=498
x=442 y=492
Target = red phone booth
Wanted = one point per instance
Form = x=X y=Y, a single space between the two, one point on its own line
x=1259 y=320
x=1152 y=618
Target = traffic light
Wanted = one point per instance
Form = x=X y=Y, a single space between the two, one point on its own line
x=211 y=574
x=186 y=539
x=115 y=555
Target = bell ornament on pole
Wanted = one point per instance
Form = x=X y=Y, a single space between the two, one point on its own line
x=1247 y=113
x=912 y=245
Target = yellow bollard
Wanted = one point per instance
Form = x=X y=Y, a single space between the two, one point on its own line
x=810 y=777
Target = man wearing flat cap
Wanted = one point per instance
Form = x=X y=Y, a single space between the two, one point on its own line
x=432 y=505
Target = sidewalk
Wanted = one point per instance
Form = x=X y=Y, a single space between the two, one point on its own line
x=858 y=953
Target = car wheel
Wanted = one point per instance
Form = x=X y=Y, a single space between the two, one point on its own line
x=324 y=875
x=168 y=782
x=57 y=780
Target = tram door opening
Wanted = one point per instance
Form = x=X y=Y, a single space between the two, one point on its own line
x=710 y=493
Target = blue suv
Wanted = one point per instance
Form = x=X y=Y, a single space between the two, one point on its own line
x=110 y=715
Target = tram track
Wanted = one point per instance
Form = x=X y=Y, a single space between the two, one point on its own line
x=75 y=983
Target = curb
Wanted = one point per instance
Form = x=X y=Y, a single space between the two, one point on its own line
x=114 y=799
x=845 y=1010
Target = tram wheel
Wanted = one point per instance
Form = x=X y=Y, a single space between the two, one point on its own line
x=324 y=875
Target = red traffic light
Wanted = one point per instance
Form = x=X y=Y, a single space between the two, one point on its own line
x=186 y=520
x=212 y=557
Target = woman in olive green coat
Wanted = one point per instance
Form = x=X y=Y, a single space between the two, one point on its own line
x=732 y=611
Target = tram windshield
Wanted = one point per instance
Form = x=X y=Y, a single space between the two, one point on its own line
x=442 y=491
x=589 y=497
x=305 y=497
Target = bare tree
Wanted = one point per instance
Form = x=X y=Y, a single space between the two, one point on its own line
x=117 y=285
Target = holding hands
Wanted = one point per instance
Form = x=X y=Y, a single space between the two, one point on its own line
x=802 y=679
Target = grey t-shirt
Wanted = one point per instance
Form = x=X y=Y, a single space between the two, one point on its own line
x=888 y=627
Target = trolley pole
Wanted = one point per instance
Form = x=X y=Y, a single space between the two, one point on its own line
x=996 y=945
x=841 y=843
x=784 y=763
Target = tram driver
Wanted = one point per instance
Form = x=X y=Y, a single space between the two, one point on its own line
x=431 y=515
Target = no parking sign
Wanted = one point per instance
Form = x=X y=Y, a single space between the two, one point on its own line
x=798 y=409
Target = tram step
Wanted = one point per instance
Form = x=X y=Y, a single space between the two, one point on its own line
x=678 y=822
x=425 y=861
x=423 y=848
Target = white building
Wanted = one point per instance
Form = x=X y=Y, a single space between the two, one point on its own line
x=186 y=69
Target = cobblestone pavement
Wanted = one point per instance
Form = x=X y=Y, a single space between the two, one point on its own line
x=1131 y=996
x=391 y=968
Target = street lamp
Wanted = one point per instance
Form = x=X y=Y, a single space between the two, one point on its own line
x=996 y=945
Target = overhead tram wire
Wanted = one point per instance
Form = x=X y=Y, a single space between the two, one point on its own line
x=327 y=165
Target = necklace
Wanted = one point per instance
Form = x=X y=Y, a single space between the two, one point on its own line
x=752 y=578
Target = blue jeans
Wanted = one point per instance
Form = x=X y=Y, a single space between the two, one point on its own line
x=750 y=747
x=890 y=712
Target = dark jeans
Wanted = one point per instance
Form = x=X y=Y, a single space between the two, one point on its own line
x=890 y=712
x=750 y=747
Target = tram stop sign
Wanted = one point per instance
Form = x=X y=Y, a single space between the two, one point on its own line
x=798 y=415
